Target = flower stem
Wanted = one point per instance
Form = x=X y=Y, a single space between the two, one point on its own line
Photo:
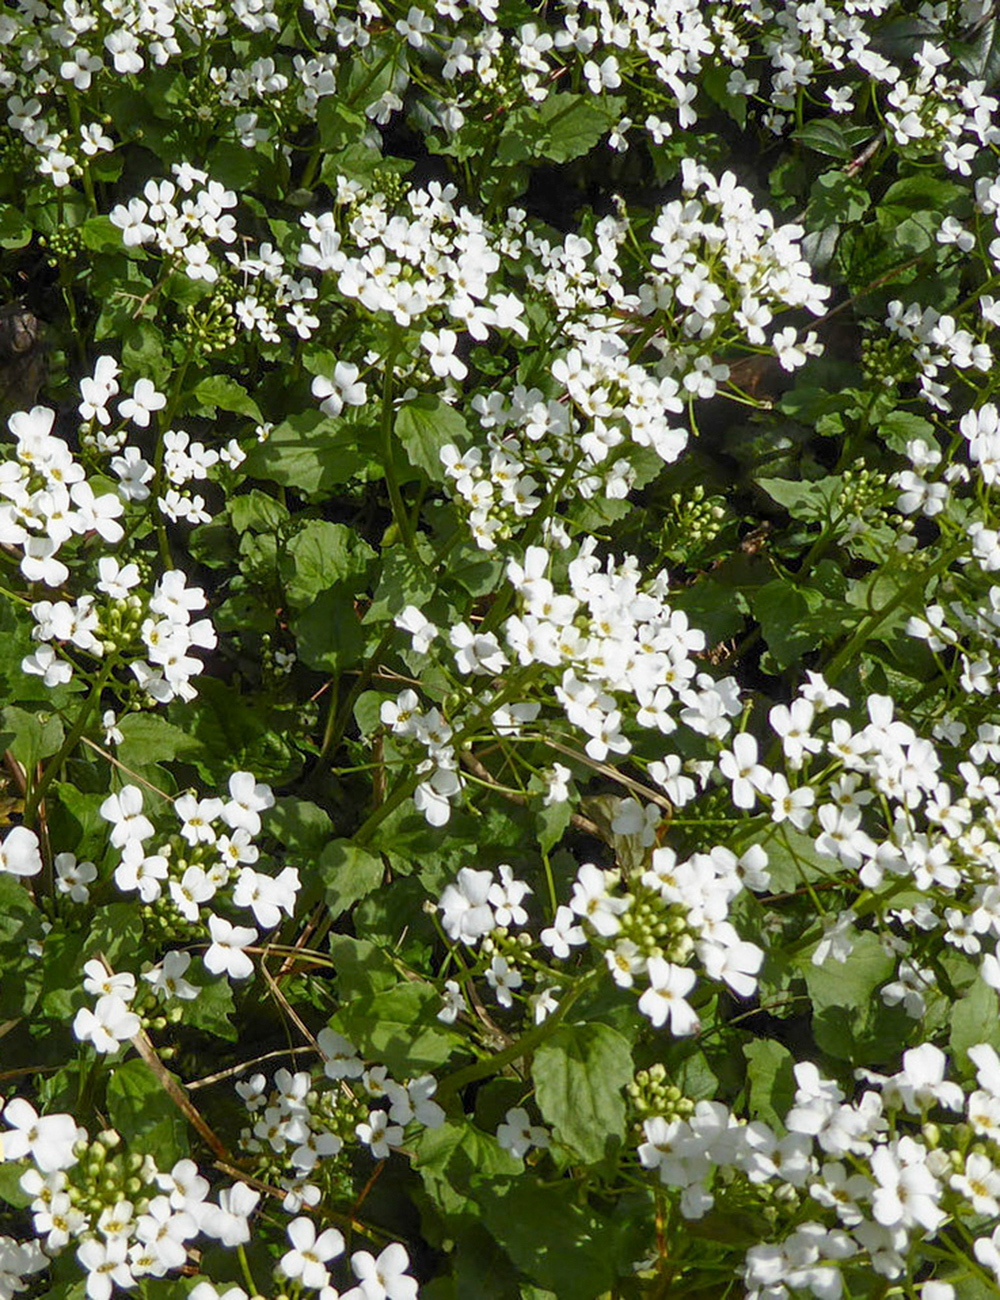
x=34 y=799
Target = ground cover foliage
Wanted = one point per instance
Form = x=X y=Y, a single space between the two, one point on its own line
x=499 y=648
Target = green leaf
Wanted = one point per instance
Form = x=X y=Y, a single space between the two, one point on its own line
x=76 y=818
x=35 y=735
x=338 y=125
x=921 y=194
x=15 y=228
x=899 y=427
x=349 y=874
x=142 y=1112
x=116 y=930
x=148 y=738
x=211 y=1010
x=981 y=56
x=975 y=1018
x=11 y=1190
x=233 y=735
x=792 y=860
x=298 y=825
x=424 y=426
x=399 y=1027
x=579 y=1073
x=451 y=1157
x=230 y=164
x=321 y=555
x=551 y=1236
x=850 y=1020
x=782 y=609
x=361 y=966
x=564 y=127
x=221 y=391
x=806 y=500
x=551 y=821
x=404 y=580
x=20 y=931
x=715 y=80
x=308 y=452
x=770 y=1079
x=143 y=352
x=99 y=235
x=329 y=633
x=835 y=197
x=824 y=136
x=257 y=512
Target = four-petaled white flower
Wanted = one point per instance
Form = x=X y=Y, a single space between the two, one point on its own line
x=226 y=951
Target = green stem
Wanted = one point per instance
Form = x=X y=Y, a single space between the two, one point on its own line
x=453 y=1083
x=865 y=630
x=73 y=100
x=339 y=719
x=34 y=800
x=399 y=512
x=163 y=425
x=245 y=1266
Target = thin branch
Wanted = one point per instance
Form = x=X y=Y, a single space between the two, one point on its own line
x=478 y=769
x=287 y=1007
x=121 y=766
x=611 y=773
x=143 y=1045
x=239 y=1069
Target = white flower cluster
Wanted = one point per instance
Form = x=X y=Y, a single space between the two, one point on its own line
x=442 y=780
x=435 y=266
x=936 y=343
x=695 y=895
x=878 y=1188
x=381 y=1278
x=183 y=228
x=611 y=635
x=304 y=1121
x=115 y=1245
x=722 y=269
x=47 y=499
x=164 y=627
x=153 y=1231
x=191 y=869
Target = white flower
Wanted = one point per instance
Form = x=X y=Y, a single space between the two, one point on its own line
x=167 y=980
x=19 y=853
x=838 y=938
x=421 y=630
x=44 y=663
x=124 y=811
x=378 y=1134
x=248 y=799
x=518 y=1135
x=48 y=1139
x=665 y=998
x=144 y=401
x=383 y=1278
x=307 y=1261
x=73 y=877
x=226 y=951
x=592 y=901
x=465 y=912
x=504 y=978
x=452 y=1002
x=99 y=980
x=563 y=934
x=108 y=1026
x=106 y=1264
x=340 y=1058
